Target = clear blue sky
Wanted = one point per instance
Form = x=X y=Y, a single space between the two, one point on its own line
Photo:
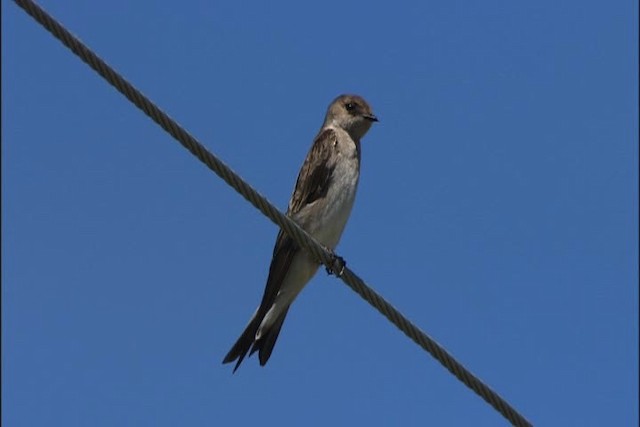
x=497 y=209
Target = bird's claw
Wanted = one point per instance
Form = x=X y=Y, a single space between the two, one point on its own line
x=337 y=264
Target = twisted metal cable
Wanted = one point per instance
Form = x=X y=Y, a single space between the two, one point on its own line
x=300 y=236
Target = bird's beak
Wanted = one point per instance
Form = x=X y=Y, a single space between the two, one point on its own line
x=371 y=117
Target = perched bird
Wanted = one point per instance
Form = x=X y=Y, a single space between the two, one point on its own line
x=321 y=203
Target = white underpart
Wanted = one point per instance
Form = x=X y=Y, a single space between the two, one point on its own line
x=325 y=220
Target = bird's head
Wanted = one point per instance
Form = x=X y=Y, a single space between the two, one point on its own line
x=351 y=113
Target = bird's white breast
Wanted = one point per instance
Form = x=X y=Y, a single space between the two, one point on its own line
x=335 y=208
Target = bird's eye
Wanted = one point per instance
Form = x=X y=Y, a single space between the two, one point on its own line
x=350 y=106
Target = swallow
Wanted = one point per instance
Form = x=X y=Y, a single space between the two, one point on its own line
x=321 y=203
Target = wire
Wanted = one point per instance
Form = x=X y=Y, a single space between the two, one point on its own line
x=300 y=236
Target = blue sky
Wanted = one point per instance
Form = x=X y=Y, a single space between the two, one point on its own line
x=497 y=209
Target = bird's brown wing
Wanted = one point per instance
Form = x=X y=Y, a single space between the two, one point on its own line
x=315 y=176
x=312 y=184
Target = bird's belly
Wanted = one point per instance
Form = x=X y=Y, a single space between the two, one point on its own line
x=336 y=207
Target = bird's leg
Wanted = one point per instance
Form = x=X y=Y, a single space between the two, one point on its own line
x=337 y=264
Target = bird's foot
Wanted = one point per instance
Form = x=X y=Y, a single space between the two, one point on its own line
x=337 y=264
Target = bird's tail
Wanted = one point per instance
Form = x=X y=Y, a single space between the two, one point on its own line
x=243 y=344
x=264 y=344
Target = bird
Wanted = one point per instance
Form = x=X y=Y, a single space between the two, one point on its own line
x=321 y=203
